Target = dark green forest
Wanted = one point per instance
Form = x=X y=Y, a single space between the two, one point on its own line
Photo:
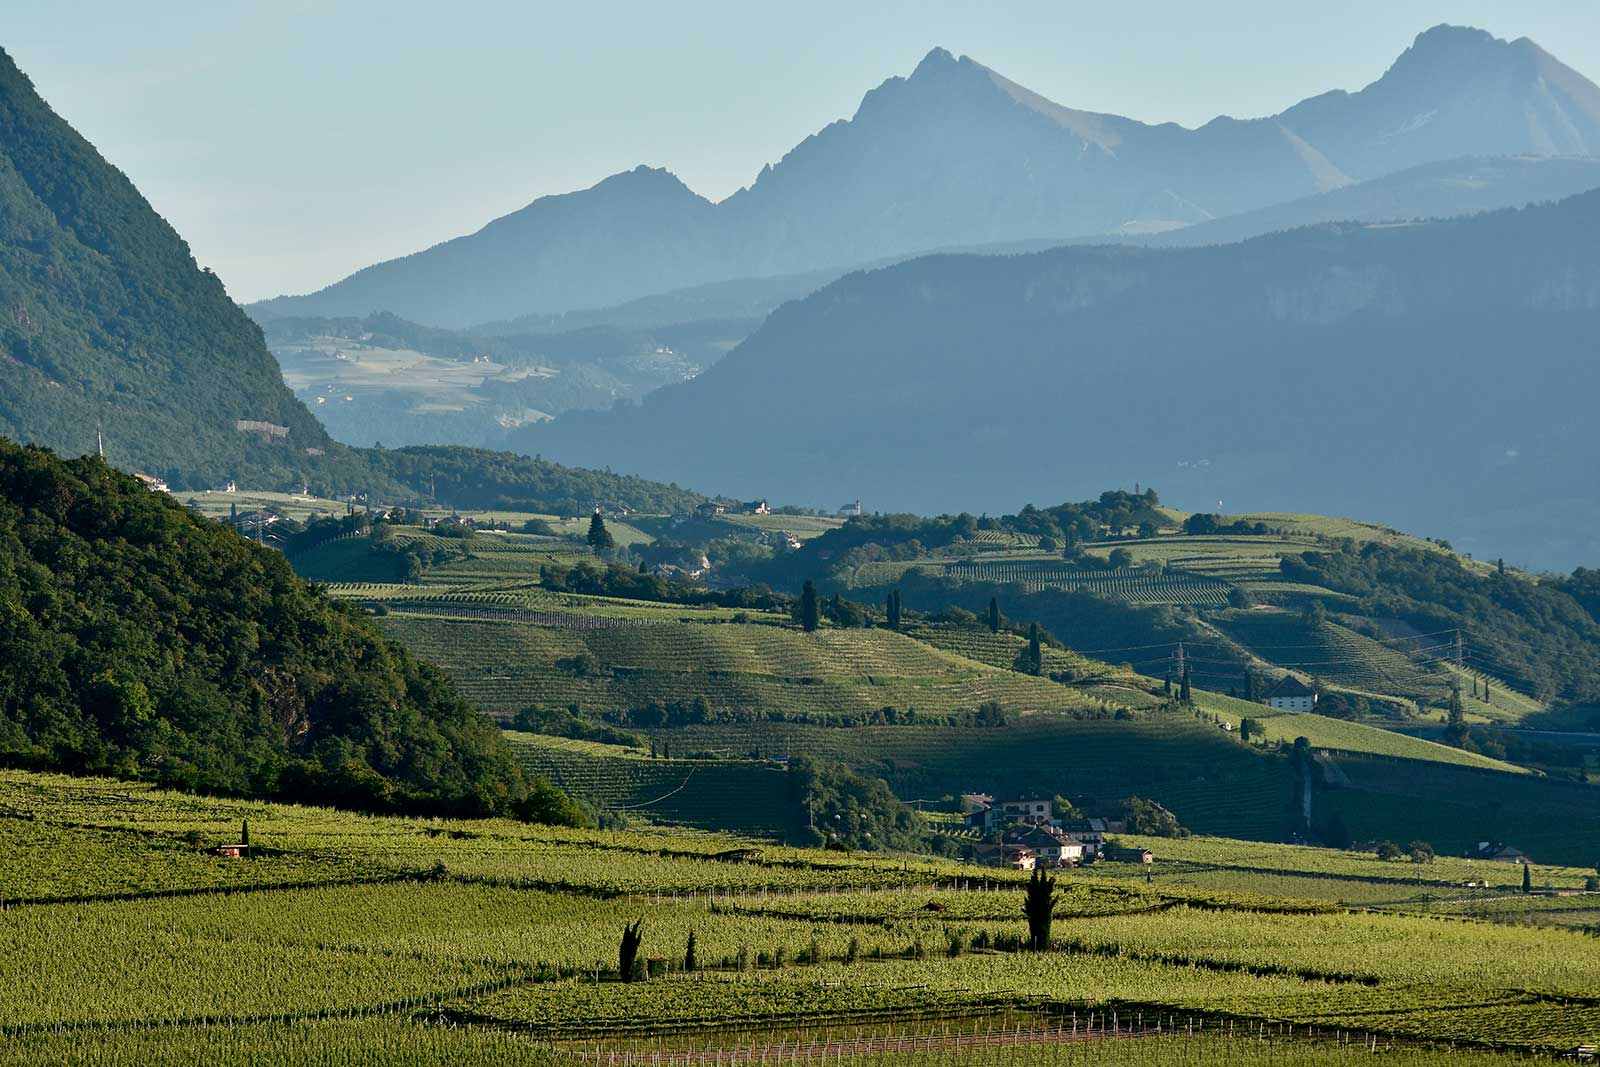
x=476 y=478
x=1533 y=633
x=871 y=538
x=139 y=640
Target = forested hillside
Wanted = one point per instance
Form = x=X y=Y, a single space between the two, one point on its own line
x=1396 y=373
x=476 y=478
x=105 y=318
x=139 y=640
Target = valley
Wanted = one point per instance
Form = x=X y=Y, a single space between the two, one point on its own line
x=621 y=634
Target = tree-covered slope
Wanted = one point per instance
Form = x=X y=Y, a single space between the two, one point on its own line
x=140 y=640
x=1397 y=373
x=477 y=478
x=105 y=318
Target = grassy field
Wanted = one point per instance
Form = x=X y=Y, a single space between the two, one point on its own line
x=1341 y=736
x=220 y=505
x=804 y=527
x=381 y=940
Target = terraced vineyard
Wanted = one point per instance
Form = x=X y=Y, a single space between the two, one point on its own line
x=1135 y=586
x=1002 y=650
x=740 y=796
x=749 y=667
x=1338 y=654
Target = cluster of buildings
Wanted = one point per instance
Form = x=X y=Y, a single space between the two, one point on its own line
x=712 y=508
x=1032 y=836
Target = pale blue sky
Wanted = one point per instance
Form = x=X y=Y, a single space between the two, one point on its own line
x=294 y=141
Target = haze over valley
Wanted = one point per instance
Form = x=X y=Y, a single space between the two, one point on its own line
x=1008 y=581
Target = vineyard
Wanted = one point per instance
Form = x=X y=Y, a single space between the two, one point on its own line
x=1136 y=586
x=506 y=934
x=506 y=666
x=1341 y=656
x=740 y=796
x=1172 y=757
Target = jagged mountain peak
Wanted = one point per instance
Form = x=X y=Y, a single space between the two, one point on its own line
x=936 y=61
x=956 y=154
x=1456 y=52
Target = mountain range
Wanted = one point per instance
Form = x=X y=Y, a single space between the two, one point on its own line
x=958 y=155
x=1403 y=372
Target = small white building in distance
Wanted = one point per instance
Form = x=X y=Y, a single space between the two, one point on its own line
x=851 y=510
x=1291 y=694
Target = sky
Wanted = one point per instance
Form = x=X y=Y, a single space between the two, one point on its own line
x=294 y=141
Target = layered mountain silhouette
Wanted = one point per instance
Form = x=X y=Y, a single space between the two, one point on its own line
x=958 y=155
x=1439 y=376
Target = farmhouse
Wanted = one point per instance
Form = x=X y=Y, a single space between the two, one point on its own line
x=155 y=485
x=1291 y=694
x=1016 y=857
x=1090 y=833
x=1052 y=847
x=757 y=507
x=709 y=510
x=251 y=520
x=1497 y=852
x=993 y=816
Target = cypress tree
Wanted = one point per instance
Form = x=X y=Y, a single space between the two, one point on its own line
x=1455 y=731
x=1183 y=686
x=1039 y=907
x=1035 y=653
x=808 y=607
x=1527 y=877
x=994 y=615
x=599 y=537
x=690 y=962
x=628 y=951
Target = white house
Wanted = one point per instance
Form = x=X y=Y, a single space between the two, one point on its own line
x=1033 y=811
x=1053 y=847
x=1291 y=694
x=1090 y=833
